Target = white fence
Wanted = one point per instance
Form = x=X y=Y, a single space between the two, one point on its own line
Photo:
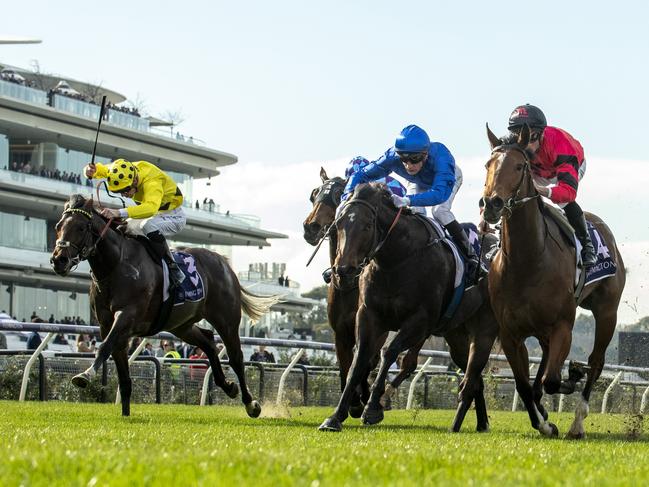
x=325 y=379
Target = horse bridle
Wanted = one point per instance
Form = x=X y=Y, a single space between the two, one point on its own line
x=89 y=242
x=514 y=201
x=325 y=195
x=375 y=246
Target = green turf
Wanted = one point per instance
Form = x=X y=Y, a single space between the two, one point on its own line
x=91 y=444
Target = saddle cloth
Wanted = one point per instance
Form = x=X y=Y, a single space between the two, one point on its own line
x=604 y=267
x=192 y=288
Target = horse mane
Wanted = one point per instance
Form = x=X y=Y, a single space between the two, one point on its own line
x=374 y=191
x=338 y=180
x=76 y=201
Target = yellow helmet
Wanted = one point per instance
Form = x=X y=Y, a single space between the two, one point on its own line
x=121 y=175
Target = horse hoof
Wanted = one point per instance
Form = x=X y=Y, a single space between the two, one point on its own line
x=331 y=424
x=549 y=430
x=483 y=428
x=234 y=391
x=81 y=380
x=253 y=409
x=356 y=411
x=372 y=416
x=579 y=435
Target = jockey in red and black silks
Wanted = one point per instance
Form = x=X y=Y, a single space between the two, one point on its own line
x=557 y=165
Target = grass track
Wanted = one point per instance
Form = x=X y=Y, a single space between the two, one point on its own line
x=90 y=444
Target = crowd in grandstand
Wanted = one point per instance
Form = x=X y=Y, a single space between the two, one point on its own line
x=44 y=172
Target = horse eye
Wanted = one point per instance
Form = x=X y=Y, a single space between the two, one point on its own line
x=520 y=167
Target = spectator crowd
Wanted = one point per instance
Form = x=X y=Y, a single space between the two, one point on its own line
x=44 y=172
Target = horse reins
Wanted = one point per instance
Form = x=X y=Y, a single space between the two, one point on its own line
x=514 y=201
x=378 y=246
x=89 y=244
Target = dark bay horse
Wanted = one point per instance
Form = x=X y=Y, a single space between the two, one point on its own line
x=126 y=294
x=406 y=282
x=342 y=301
x=532 y=282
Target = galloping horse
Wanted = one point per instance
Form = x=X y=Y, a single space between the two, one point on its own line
x=342 y=301
x=126 y=295
x=405 y=285
x=532 y=283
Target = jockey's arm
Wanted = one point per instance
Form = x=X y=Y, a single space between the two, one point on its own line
x=152 y=198
x=373 y=171
x=101 y=171
x=565 y=190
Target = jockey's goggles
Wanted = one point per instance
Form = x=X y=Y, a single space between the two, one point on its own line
x=534 y=136
x=412 y=157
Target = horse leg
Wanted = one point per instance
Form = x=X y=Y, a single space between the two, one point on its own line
x=537 y=387
x=120 y=356
x=368 y=344
x=558 y=349
x=408 y=366
x=605 y=327
x=519 y=362
x=345 y=354
x=408 y=336
x=472 y=385
x=204 y=339
x=230 y=337
x=120 y=330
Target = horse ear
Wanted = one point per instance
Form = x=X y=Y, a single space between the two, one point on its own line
x=323 y=175
x=524 y=137
x=493 y=140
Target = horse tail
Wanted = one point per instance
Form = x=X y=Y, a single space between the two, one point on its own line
x=256 y=306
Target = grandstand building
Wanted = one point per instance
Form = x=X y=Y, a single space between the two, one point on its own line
x=47 y=132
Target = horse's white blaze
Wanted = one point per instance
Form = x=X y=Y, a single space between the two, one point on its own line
x=581 y=411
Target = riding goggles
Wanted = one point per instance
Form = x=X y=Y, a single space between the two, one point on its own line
x=412 y=157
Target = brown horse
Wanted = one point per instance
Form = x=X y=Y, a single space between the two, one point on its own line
x=342 y=301
x=532 y=282
x=126 y=295
x=406 y=283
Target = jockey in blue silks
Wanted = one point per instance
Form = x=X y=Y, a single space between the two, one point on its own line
x=433 y=181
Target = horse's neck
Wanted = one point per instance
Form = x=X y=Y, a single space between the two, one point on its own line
x=107 y=255
x=406 y=237
x=523 y=234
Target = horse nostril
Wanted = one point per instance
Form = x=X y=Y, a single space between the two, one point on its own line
x=497 y=203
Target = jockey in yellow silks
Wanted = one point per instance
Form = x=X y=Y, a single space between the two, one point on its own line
x=158 y=213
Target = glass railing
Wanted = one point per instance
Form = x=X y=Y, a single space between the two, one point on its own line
x=244 y=221
x=49 y=185
x=33 y=259
x=66 y=188
x=128 y=121
x=78 y=107
x=14 y=90
x=267 y=287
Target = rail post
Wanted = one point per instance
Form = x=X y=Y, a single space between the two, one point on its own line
x=610 y=387
x=30 y=363
x=415 y=379
x=282 y=380
x=643 y=402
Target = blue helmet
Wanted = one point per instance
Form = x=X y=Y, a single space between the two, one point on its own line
x=412 y=139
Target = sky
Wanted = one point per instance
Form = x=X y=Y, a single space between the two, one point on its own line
x=290 y=86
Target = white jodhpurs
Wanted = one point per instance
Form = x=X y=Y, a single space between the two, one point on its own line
x=442 y=212
x=168 y=223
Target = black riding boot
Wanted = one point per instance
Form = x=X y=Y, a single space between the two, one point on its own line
x=466 y=249
x=159 y=243
x=578 y=221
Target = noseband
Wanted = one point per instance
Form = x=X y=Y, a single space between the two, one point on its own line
x=514 y=201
